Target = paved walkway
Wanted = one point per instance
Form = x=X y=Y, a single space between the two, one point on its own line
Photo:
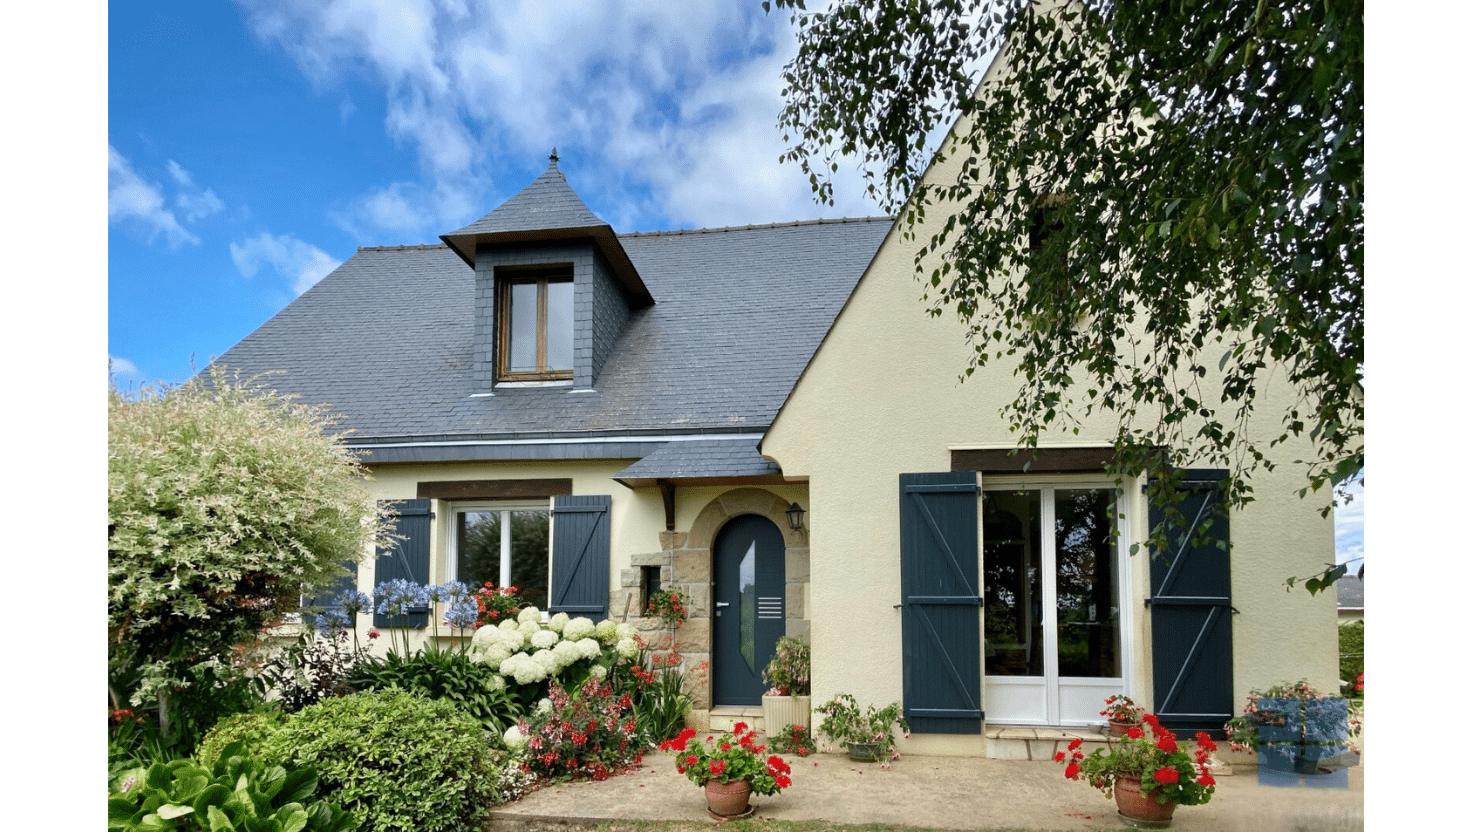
x=939 y=793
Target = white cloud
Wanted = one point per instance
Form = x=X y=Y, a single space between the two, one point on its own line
x=193 y=201
x=304 y=264
x=668 y=115
x=140 y=203
x=120 y=366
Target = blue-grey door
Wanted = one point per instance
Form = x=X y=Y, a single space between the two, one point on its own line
x=750 y=606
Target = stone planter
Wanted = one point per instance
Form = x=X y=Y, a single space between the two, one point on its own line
x=778 y=712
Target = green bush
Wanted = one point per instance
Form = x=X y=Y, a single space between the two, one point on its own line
x=1351 y=656
x=395 y=759
x=251 y=729
x=448 y=675
x=238 y=792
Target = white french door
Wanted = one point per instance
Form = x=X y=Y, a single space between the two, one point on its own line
x=1054 y=612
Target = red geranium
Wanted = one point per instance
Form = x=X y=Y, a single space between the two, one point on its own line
x=1167 y=776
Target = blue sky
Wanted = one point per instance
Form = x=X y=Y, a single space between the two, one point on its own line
x=253 y=145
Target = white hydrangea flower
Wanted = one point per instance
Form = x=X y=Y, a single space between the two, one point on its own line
x=557 y=622
x=509 y=624
x=494 y=655
x=513 y=738
x=627 y=648
x=598 y=672
x=589 y=647
x=496 y=683
x=521 y=668
x=483 y=637
x=566 y=652
x=546 y=661
x=606 y=632
x=512 y=639
x=530 y=614
x=578 y=629
x=543 y=639
x=626 y=630
x=530 y=628
x=544 y=705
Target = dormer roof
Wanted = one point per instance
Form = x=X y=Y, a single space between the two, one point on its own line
x=549 y=210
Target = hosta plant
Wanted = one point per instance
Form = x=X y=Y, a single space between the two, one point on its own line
x=238 y=792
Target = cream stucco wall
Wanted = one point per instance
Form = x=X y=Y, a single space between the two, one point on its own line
x=883 y=396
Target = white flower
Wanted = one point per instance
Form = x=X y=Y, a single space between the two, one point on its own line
x=606 y=631
x=512 y=639
x=483 y=637
x=530 y=614
x=547 y=661
x=494 y=655
x=627 y=648
x=557 y=622
x=589 y=647
x=496 y=683
x=509 y=624
x=544 y=705
x=598 y=672
x=578 y=629
x=543 y=639
x=566 y=652
x=626 y=630
x=529 y=628
x=513 y=738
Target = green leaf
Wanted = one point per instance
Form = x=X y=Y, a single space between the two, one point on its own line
x=169 y=811
x=219 y=821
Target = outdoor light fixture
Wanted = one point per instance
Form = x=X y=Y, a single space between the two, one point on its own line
x=794 y=516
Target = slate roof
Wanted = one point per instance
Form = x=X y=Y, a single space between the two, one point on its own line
x=386 y=340
x=701 y=459
x=1351 y=593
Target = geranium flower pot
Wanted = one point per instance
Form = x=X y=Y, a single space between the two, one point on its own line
x=1119 y=729
x=1141 y=810
x=727 y=800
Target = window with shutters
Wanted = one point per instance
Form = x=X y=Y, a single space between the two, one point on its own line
x=504 y=544
x=535 y=324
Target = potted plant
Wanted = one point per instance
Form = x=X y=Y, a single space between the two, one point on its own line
x=1295 y=726
x=730 y=769
x=1122 y=713
x=868 y=734
x=789 y=699
x=1146 y=771
x=667 y=607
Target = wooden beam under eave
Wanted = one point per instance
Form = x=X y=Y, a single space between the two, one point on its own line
x=667 y=490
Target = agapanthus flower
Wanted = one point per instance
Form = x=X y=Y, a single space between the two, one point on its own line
x=462 y=612
x=332 y=622
x=353 y=602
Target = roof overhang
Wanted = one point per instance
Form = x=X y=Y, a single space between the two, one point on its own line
x=602 y=236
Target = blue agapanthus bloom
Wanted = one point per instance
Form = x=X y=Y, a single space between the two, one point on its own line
x=454 y=590
x=463 y=612
x=332 y=622
x=400 y=597
x=352 y=602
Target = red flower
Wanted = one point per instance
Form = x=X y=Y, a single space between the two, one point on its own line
x=1077 y=741
x=1166 y=743
x=1071 y=772
x=740 y=727
x=372 y=633
x=1058 y=758
x=725 y=746
x=1135 y=732
x=1204 y=740
x=1206 y=780
x=783 y=781
x=717 y=766
x=1151 y=720
x=1167 y=776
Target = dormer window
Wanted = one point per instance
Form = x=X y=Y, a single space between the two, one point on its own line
x=535 y=324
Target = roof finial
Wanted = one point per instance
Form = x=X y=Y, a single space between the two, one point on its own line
x=553 y=157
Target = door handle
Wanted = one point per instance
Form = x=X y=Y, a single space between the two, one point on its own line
x=723 y=604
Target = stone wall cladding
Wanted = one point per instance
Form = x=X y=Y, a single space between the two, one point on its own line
x=588 y=271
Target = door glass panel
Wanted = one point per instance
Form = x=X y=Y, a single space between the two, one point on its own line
x=523 y=358
x=1088 y=580
x=559 y=325
x=747 y=606
x=1013 y=582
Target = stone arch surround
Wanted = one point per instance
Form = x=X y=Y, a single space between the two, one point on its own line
x=689 y=556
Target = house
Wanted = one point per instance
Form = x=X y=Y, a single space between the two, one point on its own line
x=590 y=415
x=1351 y=597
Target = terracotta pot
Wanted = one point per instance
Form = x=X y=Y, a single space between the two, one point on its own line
x=1139 y=807
x=727 y=800
x=1119 y=729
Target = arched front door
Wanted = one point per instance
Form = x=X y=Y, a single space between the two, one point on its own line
x=750 y=595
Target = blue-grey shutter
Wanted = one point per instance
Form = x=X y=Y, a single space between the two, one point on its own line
x=580 y=549
x=1191 y=612
x=324 y=599
x=407 y=558
x=942 y=602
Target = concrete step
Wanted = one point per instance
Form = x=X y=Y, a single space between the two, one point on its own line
x=724 y=718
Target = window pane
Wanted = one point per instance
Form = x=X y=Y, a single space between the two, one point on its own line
x=1088 y=580
x=529 y=555
x=478 y=549
x=559 y=325
x=523 y=318
x=1013 y=582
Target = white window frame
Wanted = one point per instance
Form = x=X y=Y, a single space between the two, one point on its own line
x=1000 y=690
x=504 y=507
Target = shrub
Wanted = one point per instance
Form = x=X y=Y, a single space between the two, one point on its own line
x=238 y=792
x=591 y=734
x=208 y=693
x=224 y=502
x=394 y=759
x=1351 y=657
x=316 y=667
x=450 y=675
x=251 y=730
